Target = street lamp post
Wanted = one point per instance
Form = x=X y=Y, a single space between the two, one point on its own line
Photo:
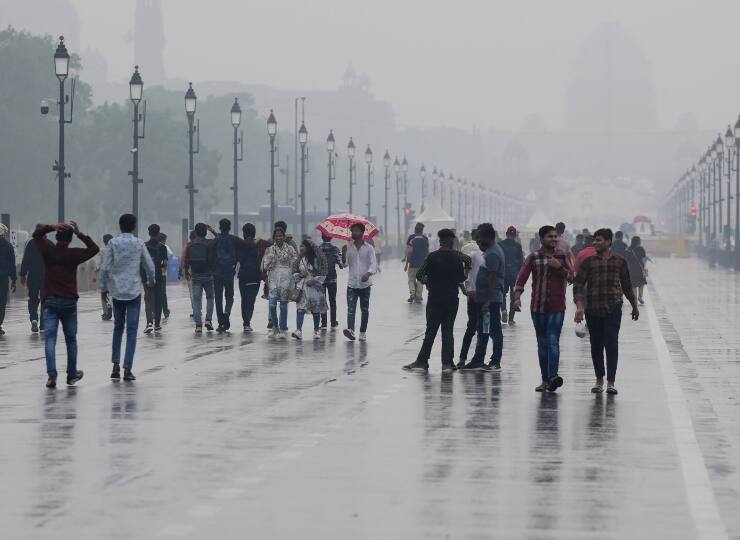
x=451 y=182
x=303 y=139
x=423 y=174
x=730 y=145
x=387 y=165
x=441 y=188
x=272 y=132
x=701 y=211
x=369 y=161
x=459 y=203
x=61 y=69
x=737 y=193
x=397 y=168
x=136 y=92
x=236 y=120
x=330 y=142
x=405 y=170
x=190 y=104
x=719 y=147
x=351 y=156
x=435 y=179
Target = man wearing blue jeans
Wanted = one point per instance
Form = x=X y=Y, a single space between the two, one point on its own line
x=489 y=295
x=199 y=265
x=59 y=293
x=359 y=258
x=551 y=272
x=120 y=278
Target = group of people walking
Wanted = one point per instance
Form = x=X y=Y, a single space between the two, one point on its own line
x=601 y=268
x=489 y=270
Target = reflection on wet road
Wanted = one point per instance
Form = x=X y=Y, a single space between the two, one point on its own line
x=238 y=436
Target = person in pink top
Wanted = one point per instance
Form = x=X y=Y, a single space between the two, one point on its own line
x=586 y=252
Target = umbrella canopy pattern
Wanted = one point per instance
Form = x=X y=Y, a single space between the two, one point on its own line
x=338 y=225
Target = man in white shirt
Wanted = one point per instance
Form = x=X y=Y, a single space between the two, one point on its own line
x=359 y=258
x=477 y=260
x=120 y=278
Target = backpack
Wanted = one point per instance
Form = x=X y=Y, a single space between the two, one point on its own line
x=158 y=254
x=225 y=252
x=198 y=258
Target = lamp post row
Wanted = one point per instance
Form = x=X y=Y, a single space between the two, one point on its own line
x=136 y=93
x=696 y=204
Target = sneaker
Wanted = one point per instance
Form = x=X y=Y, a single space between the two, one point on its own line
x=363 y=336
x=317 y=334
x=269 y=325
x=598 y=388
x=209 y=326
x=494 y=366
x=504 y=316
x=554 y=383
x=274 y=333
x=642 y=302
x=297 y=334
x=127 y=375
x=248 y=329
x=198 y=328
x=418 y=300
x=51 y=382
x=323 y=327
x=611 y=389
x=2 y=332
x=461 y=363
x=34 y=326
x=446 y=368
x=166 y=314
x=416 y=366
x=116 y=373
x=410 y=300
x=283 y=334
x=75 y=379
x=349 y=334
x=511 y=322
x=542 y=387
x=334 y=325
x=476 y=366
x=220 y=329
x=158 y=328
x=149 y=328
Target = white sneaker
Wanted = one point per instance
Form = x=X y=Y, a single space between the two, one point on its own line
x=317 y=334
x=149 y=328
x=363 y=336
x=283 y=334
x=349 y=334
x=274 y=333
x=298 y=334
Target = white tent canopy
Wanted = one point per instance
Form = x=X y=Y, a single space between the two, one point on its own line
x=435 y=219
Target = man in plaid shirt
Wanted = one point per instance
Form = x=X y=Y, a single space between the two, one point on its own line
x=551 y=272
x=606 y=278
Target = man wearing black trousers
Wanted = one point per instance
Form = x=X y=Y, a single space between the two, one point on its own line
x=600 y=283
x=154 y=296
x=249 y=254
x=32 y=276
x=333 y=260
x=442 y=272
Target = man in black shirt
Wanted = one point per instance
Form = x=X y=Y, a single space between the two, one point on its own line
x=153 y=296
x=333 y=260
x=417 y=249
x=249 y=254
x=32 y=276
x=442 y=272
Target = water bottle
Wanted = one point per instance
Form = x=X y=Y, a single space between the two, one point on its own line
x=487 y=323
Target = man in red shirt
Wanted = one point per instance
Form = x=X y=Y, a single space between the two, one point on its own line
x=59 y=293
x=551 y=272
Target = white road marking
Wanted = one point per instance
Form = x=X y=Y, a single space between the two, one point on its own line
x=702 y=504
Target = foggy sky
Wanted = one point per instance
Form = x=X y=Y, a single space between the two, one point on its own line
x=486 y=63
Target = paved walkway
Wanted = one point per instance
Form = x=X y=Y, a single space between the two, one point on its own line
x=234 y=436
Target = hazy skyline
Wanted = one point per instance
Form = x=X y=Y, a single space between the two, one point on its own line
x=488 y=64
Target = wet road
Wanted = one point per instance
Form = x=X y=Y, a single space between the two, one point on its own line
x=234 y=436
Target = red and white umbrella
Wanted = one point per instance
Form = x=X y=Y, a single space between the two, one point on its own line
x=338 y=226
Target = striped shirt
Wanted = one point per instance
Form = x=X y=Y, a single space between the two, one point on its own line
x=605 y=280
x=548 y=284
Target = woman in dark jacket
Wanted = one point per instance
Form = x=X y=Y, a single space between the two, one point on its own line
x=635 y=255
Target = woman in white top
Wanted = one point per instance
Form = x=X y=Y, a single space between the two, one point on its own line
x=309 y=273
